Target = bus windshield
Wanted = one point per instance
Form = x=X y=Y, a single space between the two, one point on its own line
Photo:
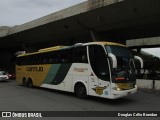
x=125 y=71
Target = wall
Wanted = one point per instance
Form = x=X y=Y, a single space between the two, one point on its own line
x=148 y=84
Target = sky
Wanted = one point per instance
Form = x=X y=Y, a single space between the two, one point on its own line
x=17 y=12
x=153 y=51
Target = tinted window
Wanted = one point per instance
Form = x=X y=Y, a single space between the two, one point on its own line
x=3 y=73
x=99 y=62
x=79 y=55
x=72 y=55
x=118 y=50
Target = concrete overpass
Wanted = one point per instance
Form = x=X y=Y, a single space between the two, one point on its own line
x=107 y=20
x=143 y=42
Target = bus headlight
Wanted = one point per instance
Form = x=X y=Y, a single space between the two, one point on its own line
x=117 y=88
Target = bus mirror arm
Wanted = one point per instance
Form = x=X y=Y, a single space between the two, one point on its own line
x=140 y=60
x=113 y=59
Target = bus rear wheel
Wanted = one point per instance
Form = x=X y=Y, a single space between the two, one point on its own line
x=30 y=83
x=80 y=91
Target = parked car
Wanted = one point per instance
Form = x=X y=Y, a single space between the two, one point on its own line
x=3 y=75
x=12 y=75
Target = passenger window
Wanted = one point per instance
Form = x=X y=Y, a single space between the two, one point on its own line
x=79 y=55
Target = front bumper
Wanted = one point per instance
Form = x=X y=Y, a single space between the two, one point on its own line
x=118 y=94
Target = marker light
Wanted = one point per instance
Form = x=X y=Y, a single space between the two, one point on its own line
x=119 y=78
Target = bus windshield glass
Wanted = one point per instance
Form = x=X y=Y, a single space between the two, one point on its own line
x=125 y=71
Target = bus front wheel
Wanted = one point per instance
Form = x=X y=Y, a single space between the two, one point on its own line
x=80 y=90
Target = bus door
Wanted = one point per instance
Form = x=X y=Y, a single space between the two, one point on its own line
x=93 y=83
x=99 y=80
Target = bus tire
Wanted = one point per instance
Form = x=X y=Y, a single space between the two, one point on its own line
x=30 y=83
x=24 y=82
x=80 y=90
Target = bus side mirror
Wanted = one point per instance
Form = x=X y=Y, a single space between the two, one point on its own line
x=140 y=60
x=113 y=60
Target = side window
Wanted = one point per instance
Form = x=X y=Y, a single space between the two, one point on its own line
x=53 y=57
x=25 y=60
x=65 y=56
x=79 y=55
x=99 y=62
x=32 y=59
x=19 y=61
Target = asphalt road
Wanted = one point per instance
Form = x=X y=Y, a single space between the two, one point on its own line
x=14 y=97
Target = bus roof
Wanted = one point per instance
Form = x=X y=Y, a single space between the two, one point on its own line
x=65 y=47
x=44 y=50
x=105 y=43
x=51 y=49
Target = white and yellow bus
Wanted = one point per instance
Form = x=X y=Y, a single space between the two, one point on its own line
x=102 y=69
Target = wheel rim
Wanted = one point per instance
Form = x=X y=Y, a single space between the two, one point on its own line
x=81 y=90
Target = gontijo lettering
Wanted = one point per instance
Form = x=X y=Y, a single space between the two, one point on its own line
x=37 y=69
